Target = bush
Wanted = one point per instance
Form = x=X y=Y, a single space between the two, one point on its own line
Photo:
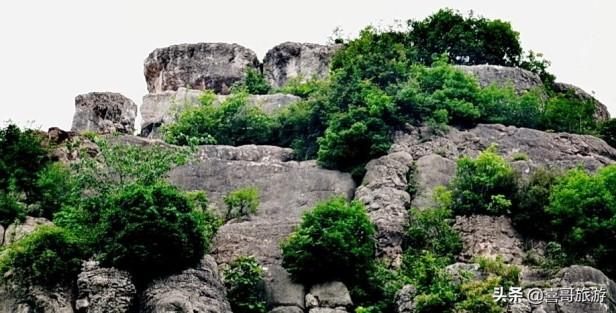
x=49 y=256
x=233 y=122
x=151 y=230
x=243 y=279
x=303 y=88
x=53 y=190
x=529 y=216
x=334 y=241
x=10 y=208
x=430 y=230
x=485 y=185
x=254 y=83
x=299 y=126
x=566 y=113
x=607 y=132
x=241 y=203
x=504 y=106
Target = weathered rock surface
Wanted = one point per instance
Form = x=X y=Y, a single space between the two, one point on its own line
x=287 y=189
x=489 y=236
x=459 y=272
x=195 y=290
x=104 y=112
x=214 y=66
x=601 y=112
x=432 y=170
x=405 y=299
x=104 y=290
x=329 y=295
x=19 y=230
x=292 y=59
x=35 y=300
x=161 y=108
x=384 y=192
x=521 y=79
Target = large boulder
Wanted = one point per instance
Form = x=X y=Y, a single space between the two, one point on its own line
x=19 y=230
x=601 y=112
x=520 y=79
x=163 y=107
x=489 y=236
x=329 y=295
x=214 y=66
x=287 y=190
x=431 y=171
x=104 y=290
x=293 y=59
x=104 y=112
x=195 y=290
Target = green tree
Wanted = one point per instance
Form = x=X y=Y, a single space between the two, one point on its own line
x=254 y=83
x=607 y=132
x=241 y=203
x=566 y=113
x=243 y=279
x=334 y=241
x=533 y=196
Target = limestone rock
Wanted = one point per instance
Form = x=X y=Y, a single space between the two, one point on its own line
x=195 y=290
x=489 y=236
x=332 y=295
x=405 y=299
x=287 y=309
x=104 y=290
x=432 y=170
x=293 y=59
x=327 y=310
x=383 y=191
x=214 y=66
x=281 y=290
x=601 y=112
x=104 y=112
x=35 y=300
x=459 y=271
x=163 y=107
x=19 y=230
x=521 y=79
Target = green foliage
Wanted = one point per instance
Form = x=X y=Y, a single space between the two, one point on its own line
x=509 y=275
x=233 y=122
x=53 y=184
x=334 y=241
x=241 y=203
x=607 y=132
x=11 y=209
x=151 y=230
x=529 y=216
x=300 y=125
x=583 y=211
x=484 y=185
x=505 y=106
x=566 y=113
x=466 y=40
x=519 y=156
x=430 y=230
x=243 y=279
x=477 y=297
x=49 y=256
x=254 y=83
x=376 y=292
x=535 y=63
x=303 y=88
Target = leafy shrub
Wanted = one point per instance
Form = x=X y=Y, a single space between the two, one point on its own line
x=233 y=122
x=484 y=185
x=334 y=241
x=300 y=125
x=53 y=190
x=243 y=279
x=376 y=292
x=529 y=216
x=11 y=208
x=503 y=105
x=566 y=113
x=241 y=203
x=607 y=131
x=254 y=83
x=151 y=230
x=303 y=88
x=49 y=256
x=519 y=156
x=430 y=230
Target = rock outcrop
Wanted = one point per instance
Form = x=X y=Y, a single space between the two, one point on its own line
x=195 y=290
x=601 y=112
x=214 y=66
x=19 y=230
x=287 y=189
x=35 y=299
x=104 y=112
x=520 y=79
x=104 y=290
x=489 y=236
x=331 y=297
x=292 y=59
x=161 y=108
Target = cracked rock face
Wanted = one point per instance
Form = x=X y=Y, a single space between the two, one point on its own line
x=104 y=290
x=35 y=300
x=214 y=66
x=104 y=112
x=293 y=59
x=522 y=80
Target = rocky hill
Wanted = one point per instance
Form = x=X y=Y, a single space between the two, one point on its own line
x=176 y=75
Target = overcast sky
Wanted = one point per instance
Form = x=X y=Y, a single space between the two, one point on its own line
x=52 y=51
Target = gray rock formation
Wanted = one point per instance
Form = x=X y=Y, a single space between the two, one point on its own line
x=292 y=59
x=329 y=295
x=195 y=290
x=432 y=170
x=19 y=230
x=405 y=299
x=161 y=108
x=384 y=192
x=104 y=290
x=489 y=236
x=35 y=300
x=287 y=189
x=104 y=112
x=601 y=112
x=459 y=272
x=522 y=80
x=214 y=66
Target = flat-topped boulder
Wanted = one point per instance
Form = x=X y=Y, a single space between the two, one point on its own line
x=520 y=79
x=214 y=66
x=293 y=59
x=104 y=112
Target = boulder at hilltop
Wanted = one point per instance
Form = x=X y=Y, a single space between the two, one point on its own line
x=601 y=112
x=521 y=79
x=104 y=112
x=293 y=59
x=161 y=108
x=214 y=66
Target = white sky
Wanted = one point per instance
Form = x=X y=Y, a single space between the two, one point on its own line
x=51 y=51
